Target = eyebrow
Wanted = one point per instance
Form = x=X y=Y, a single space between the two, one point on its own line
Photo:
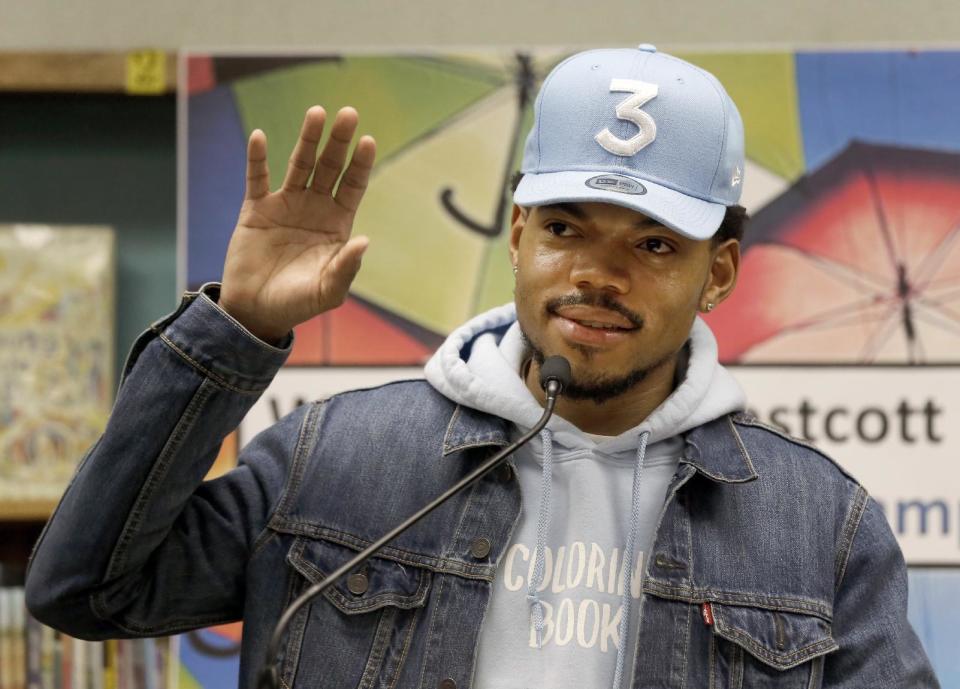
x=576 y=210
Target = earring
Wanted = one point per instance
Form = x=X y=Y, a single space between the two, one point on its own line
x=515 y=269
x=709 y=307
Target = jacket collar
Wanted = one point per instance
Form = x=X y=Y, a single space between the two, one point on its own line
x=471 y=428
x=717 y=451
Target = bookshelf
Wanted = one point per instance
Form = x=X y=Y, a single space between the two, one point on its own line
x=136 y=72
x=67 y=113
x=79 y=123
x=26 y=510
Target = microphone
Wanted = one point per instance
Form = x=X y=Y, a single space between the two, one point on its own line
x=554 y=377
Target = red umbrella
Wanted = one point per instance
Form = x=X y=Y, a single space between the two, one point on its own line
x=359 y=333
x=857 y=262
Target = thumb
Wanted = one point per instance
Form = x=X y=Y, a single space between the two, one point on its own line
x=341 y=271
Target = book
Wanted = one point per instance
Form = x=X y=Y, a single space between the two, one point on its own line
x=110 y=680
x=57 y=327
x=48 y=674
x=6 y=639
x=95 y=662
x=35 y=656
x=34 y=641
x=18 y=642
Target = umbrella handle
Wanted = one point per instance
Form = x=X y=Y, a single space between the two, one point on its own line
x=524 y=79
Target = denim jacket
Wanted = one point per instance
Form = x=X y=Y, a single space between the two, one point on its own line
x=771 y=566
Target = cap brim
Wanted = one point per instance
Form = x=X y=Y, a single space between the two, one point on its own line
x=690 y=216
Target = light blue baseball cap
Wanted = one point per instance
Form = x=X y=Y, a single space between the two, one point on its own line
x=640 y=129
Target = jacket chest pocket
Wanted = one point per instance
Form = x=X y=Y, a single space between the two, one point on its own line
x=757 y=648
x=358 y=633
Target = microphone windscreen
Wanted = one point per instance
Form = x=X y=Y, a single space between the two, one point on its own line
x=555 y=368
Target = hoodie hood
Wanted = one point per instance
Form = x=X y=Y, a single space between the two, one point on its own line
x=478 y=366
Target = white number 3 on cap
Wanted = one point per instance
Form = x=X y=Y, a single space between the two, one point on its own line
x=629 y=110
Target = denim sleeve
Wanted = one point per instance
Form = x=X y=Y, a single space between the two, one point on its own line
x=139 y=545
x=878 y=646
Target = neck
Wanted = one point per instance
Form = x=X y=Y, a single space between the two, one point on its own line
x=617 y=414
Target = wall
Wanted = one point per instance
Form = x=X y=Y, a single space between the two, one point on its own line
x=119 y=24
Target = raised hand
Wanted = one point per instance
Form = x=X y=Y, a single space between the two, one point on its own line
x=291 y=255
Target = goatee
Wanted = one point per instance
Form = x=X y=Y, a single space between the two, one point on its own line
x=596 y=388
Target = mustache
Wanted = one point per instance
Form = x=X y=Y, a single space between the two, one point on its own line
x=600 y=300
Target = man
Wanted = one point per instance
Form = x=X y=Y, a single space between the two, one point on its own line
x=652 y=536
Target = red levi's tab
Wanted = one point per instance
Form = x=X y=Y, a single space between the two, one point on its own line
x=707 y=612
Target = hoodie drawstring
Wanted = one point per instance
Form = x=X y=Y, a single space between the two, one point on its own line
x=628 y=559
x=543 y=521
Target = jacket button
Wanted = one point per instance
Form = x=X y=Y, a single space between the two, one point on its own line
x=447 y=684
x=480 y=548
x=357 y=583
x=505 y=473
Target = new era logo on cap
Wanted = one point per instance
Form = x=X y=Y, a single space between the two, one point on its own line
x=677 y=136
x=617 y=183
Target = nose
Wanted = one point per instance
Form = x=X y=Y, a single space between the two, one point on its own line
x=600 y=270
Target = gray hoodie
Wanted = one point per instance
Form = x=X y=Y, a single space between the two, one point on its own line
x=562 y=595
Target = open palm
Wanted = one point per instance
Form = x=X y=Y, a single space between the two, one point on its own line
x=291 y=255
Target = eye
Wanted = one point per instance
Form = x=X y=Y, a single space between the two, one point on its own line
x=655 y=246
x=559 y=229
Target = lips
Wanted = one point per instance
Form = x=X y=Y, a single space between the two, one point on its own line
x=596 y=324
x=592 y=326
x=597 y=318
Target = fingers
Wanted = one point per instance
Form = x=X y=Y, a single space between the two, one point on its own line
x=330 y=164
x=305 y=152
x=341 y=271
x=326 y=169
x=258 y=177
x=355 y=179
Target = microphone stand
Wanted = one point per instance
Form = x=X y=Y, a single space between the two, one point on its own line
x=554 y=375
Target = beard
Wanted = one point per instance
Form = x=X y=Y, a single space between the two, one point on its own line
x=596 y=387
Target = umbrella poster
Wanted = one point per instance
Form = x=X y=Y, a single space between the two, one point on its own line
x=845 y=325
x=209 y=658
x=872 y=235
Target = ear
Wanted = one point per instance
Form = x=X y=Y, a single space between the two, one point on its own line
x=517 y=220
x=724 y=268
